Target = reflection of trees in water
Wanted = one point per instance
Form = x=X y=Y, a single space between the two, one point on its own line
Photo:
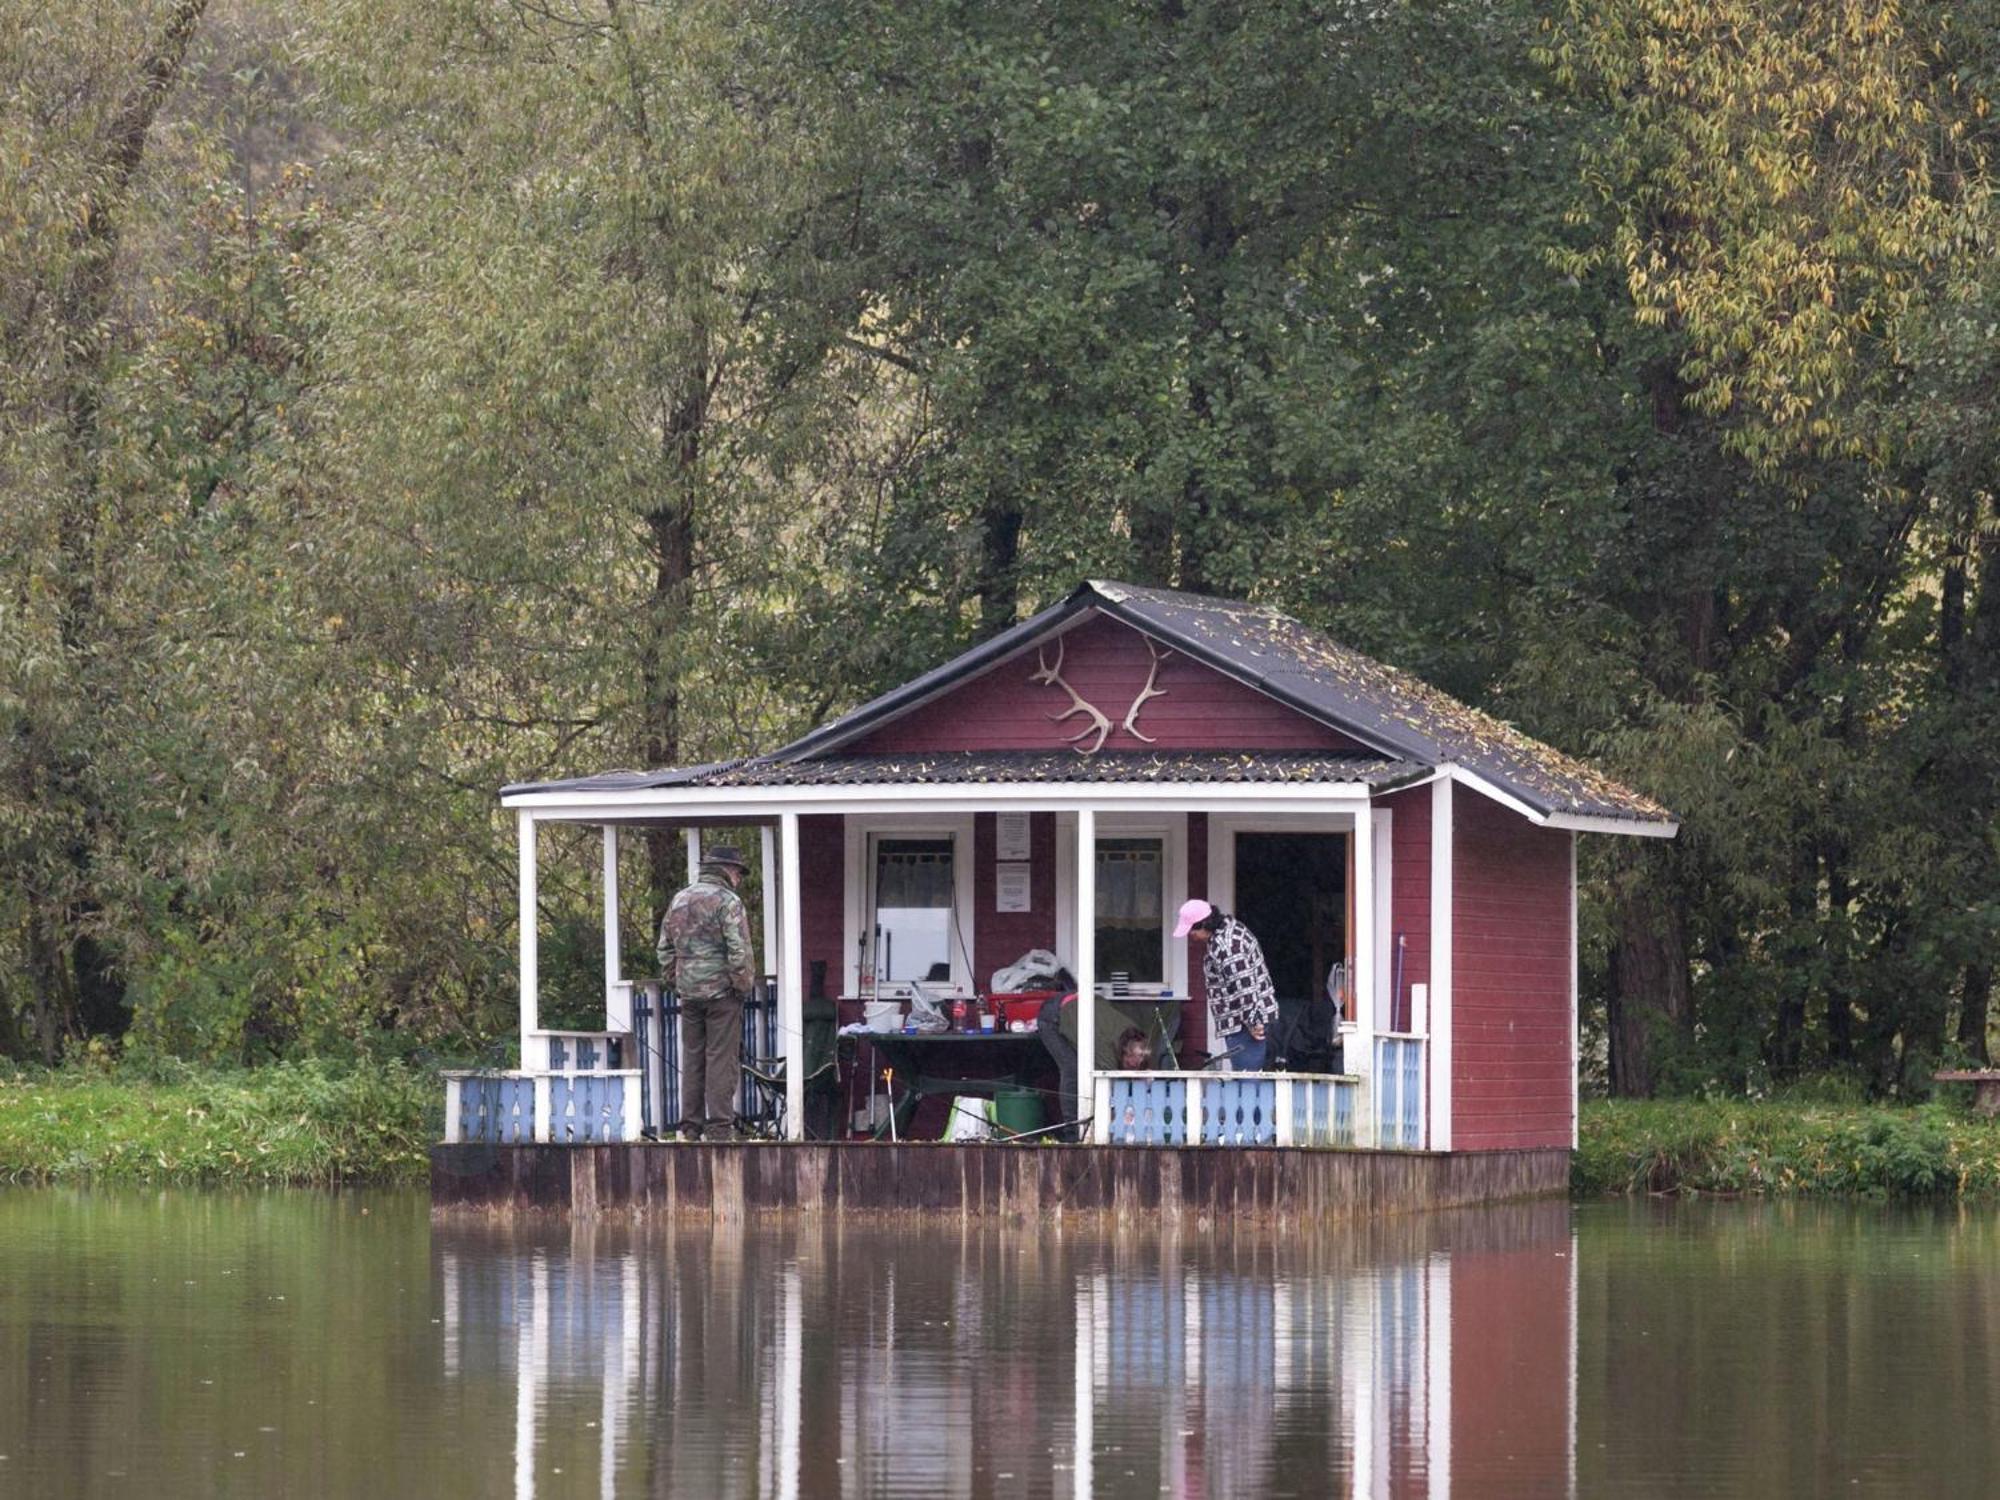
x=734 y=1361
x=1778 y=1348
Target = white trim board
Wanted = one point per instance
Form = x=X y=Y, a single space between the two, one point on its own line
x=1574 y=822
x=1438 y=1095
x=732 y=806
x=685 y=804
x=1224 y=826
x=1575 y=1010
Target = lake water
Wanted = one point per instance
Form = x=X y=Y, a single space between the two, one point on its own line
x=173 y=1344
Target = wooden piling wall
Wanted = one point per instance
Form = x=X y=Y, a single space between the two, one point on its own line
x=1194 y=1186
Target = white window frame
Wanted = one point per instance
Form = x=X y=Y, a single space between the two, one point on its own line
x=859 y=883
x=1171 y=830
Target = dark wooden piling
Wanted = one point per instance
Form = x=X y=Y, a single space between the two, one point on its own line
x=1192 y=1186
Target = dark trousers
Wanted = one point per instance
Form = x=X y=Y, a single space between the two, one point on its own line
x=711 y=1060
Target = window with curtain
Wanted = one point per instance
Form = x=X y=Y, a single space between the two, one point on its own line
x=1131 y=909
x=914 y=885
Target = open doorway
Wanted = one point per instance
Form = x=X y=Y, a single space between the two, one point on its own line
x=1291 y=891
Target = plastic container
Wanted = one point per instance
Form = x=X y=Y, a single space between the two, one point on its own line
x=1024 y=1006
x=1016 y=1111
x=882 y=1015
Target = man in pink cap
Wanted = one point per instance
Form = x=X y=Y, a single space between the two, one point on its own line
x=1242 y=1003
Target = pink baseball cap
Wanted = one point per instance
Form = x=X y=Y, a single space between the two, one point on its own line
x=1193 y=914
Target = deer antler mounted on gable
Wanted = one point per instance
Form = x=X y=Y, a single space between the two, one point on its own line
x=1051 y=675
x=1131 y=725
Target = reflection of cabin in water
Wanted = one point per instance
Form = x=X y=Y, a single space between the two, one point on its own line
x=691 y=1360
x=1066 y=786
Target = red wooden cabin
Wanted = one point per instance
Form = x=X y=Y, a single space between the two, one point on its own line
x=1067 y=784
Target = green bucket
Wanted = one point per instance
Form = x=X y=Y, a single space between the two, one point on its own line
x=1016 y=1111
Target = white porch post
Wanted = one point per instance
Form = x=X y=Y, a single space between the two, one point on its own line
x=694 y=853
x=1086 y=966
x=767 y=839
x=1367 y=1021
x=617 y=1016
x=530 y=936
x=791 y=992
x=1439 y=1089
x=1575 y=1012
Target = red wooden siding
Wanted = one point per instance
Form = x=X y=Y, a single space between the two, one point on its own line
x=1194 y=1015
x=1409 y=887
x=1000 y=937
x=1106 y=662
x=1511 y=957
x=822 y=899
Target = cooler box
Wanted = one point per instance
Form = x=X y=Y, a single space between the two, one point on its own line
x=1021 y=1005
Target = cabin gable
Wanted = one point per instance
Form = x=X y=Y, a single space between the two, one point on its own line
x=1110 y=665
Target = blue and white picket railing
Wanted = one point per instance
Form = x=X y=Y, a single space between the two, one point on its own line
x=575 y=1052
x=1399 y=1092
x=1226 y=1109
x=569 y=1108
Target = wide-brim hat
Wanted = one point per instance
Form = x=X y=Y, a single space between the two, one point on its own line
x=725 y=854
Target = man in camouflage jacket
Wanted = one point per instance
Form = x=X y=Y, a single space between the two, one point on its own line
x=705 y=955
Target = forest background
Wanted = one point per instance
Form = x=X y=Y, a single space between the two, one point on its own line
x=403 y=397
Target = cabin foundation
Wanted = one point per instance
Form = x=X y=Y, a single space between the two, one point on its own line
x=1187 y=1186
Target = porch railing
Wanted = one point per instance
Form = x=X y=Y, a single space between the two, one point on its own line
x=501 y=1109
x=1399 y=1092
x=656 y=1048
x=1226 y=1109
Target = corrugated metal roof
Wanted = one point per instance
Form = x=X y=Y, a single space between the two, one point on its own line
x=1376 y=703
x=1012 y=766
x=624 y=781
x=997 y=767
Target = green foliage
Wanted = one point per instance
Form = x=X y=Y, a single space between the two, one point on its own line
x=449 y=394
x=1786 y=1147
x=303 y=1124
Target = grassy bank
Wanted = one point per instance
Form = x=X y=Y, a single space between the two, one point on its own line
x=1782 y=1148
x=295 y=1123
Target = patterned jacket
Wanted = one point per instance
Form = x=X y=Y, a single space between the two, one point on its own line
x=704 y=947
x=1239 y=985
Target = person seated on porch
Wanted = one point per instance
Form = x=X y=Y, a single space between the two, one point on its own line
x=1135 y=1053
x=1056 y=1024
x=1242 y=1003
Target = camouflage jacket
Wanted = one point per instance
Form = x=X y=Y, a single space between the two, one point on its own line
x=704 y=946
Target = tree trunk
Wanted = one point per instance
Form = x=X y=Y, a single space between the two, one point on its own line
x=673 y=529
x=1964 y=642
x=1650 y=991
x=1973 y=1011
x=999 y=567
x=1153 y=546
x=1839 y=1009
x=67 y=965
x=1213 y=239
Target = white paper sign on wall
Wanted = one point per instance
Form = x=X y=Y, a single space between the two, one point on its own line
x=1010 y=887
x=1010 y=836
